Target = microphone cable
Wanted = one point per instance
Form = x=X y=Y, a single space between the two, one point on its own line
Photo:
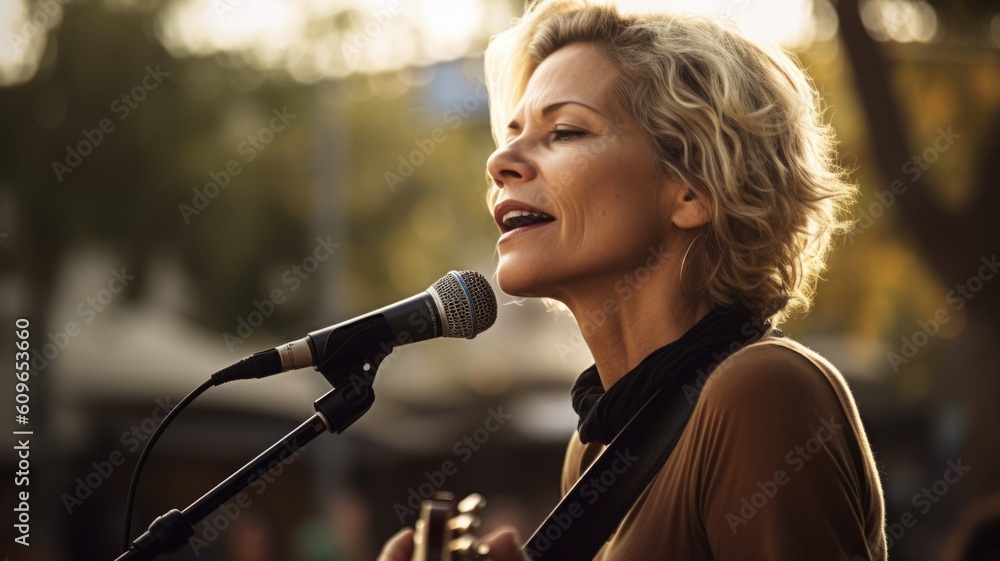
x=148 y=448
x=244 y=369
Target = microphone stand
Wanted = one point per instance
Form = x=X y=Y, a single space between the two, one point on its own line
x=335 y=411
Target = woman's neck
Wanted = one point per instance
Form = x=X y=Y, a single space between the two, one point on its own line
x=624 y=322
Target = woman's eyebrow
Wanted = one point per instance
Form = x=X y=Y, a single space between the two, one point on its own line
x=552 y=107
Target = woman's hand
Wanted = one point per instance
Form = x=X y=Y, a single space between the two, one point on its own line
x=399 y=547
x=504 y=545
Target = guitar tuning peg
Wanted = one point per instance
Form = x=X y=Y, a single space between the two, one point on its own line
x=464 y=548
x=462 y=544
x=472 y=503
x=463 y=523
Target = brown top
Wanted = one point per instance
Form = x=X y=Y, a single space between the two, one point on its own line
x=773 y=465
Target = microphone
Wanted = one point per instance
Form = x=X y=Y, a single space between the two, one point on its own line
x=460 y=304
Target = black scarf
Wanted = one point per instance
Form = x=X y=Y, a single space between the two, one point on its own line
x=703 y=347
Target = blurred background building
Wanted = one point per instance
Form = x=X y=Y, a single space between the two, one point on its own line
x=184 y=182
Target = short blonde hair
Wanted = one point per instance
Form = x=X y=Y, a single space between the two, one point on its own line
x=738 y=123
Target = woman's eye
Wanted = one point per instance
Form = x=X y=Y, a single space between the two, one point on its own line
x=562 y=134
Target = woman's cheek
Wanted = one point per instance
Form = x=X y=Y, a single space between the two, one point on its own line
x=595 y=149
x=566 y=170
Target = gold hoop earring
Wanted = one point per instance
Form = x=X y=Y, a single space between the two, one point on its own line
x=680 y=276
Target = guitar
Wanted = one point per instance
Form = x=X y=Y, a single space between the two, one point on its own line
x=444 y=531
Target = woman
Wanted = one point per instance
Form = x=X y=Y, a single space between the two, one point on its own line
x=668 y=180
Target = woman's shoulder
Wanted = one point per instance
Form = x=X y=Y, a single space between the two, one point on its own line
x=776 y=371
x=776 y=394
x=779 y=413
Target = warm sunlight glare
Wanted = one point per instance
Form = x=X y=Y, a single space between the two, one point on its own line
x=311 y=40
x=787 y=22
x=329 y=38
x=22 y=37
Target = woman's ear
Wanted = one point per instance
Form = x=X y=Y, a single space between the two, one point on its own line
x=689 y=210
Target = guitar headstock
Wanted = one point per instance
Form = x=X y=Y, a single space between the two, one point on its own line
x=444 y=531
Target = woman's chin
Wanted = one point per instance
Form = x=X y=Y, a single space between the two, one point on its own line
x=516 y=288
x=521 y=281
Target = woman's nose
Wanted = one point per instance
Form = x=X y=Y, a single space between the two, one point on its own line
x=507 y=165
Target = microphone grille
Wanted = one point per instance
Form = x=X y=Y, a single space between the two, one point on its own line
x=470 y=305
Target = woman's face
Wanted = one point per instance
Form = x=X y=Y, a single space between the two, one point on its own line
x=574 y=154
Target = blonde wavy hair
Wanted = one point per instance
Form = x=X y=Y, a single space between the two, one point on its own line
x=738 y=123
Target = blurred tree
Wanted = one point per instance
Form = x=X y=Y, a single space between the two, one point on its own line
x=951 y=217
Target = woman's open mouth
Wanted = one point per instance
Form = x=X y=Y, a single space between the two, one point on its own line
x=522 y=218
x=515 y=217
x=518 y=221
